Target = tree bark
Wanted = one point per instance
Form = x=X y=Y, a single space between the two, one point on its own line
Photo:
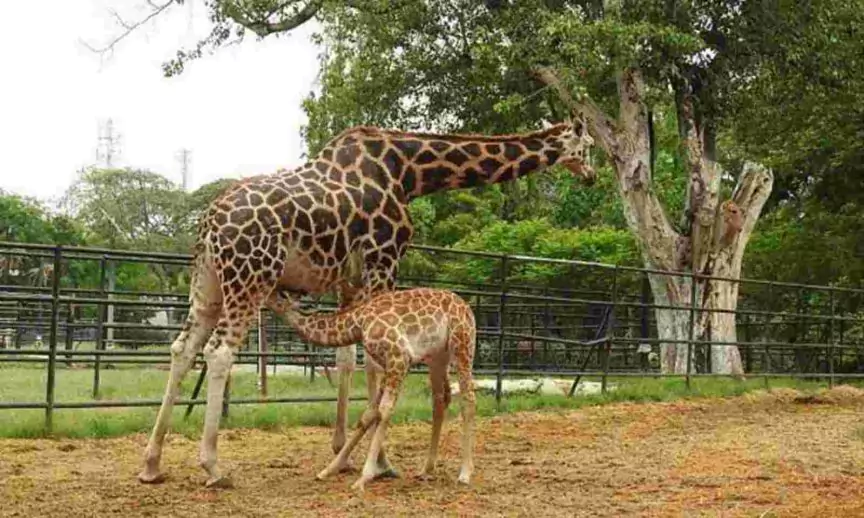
x=734 y=222
x=672 y=324
x=714 y=237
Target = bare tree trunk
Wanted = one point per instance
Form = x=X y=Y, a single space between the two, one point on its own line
x=672 y=324
x=725 y=359
x=734 y=224
x=715 y=234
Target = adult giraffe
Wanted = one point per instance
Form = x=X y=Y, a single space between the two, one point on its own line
x=295 y=231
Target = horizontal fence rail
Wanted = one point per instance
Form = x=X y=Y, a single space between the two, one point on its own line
x=75 y=307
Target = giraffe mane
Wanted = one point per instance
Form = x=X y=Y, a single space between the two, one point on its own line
x=372 y=131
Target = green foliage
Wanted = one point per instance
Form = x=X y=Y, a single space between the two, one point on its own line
x=127 y=208
x=593 y=52
x=808 y=243
x=777 y=82
x=538 y=237
x=199 y=199
x=467 y=66
x=801 y=113
x=26 y=220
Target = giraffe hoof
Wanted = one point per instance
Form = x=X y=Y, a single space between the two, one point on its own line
x=347 y=468
x=388 y=473
x=223 y=482
x=359 y=486
x=151 y=478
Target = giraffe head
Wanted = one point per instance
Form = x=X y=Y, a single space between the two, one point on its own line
x=574 y=141
x=290 y=305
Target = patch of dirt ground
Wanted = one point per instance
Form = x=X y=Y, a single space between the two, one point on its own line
x=776 y=453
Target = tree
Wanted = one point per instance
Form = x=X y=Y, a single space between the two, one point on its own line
x=129 y=208
x=199 y=200
x=138 y=210
x=619 y=65
x=463 y=65
x=25 y=220
x=802 y=115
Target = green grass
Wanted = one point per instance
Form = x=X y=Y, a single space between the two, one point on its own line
x=27 y=384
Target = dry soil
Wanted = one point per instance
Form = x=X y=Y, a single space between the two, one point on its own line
x=777 y=453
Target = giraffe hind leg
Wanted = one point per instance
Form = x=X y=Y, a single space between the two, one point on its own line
x=440 y=383
x=464 y=344
x=346 y=362
x=219 y=353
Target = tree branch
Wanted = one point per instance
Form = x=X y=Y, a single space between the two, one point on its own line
x=129 y=28
x=751 y=193
x=631 y=92
x=601 y=125
x=701 y=221
x=263 y=27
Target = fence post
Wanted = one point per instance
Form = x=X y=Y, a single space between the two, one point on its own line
x=502 y=306
x=480 y=323
x=610 y=332
x=692 y=331
x=197 y=389
x=831 y=340
x=226 y=396
x=69 y=338
x=109 y=308
x=766 y=356
x=311 y=360
x=748 y=351
x=275 y=360
x=644 y=330
x=52 y=344
x=547 y=323
x=100 y=327
x=262 y=350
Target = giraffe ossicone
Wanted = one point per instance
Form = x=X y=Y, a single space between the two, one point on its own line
x=296 y=231
x=399 y=329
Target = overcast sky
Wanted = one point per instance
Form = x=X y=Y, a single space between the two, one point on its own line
x=238 y=111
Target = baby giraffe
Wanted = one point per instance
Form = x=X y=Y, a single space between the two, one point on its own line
x=398 y=329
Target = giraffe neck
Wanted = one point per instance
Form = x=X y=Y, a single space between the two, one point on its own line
x=425 y=163
x=338 y=329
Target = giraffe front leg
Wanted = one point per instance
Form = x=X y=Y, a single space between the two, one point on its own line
x=385 y=469
x=396 y=369
x=183 y=352
x=371 y=470
x=369 y=418
x=220 y=356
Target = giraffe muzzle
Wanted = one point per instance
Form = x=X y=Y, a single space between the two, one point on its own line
x=580 y=169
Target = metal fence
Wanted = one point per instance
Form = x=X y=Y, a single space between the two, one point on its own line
x=535 y=316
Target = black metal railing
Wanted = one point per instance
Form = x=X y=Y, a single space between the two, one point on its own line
x=573 y=319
